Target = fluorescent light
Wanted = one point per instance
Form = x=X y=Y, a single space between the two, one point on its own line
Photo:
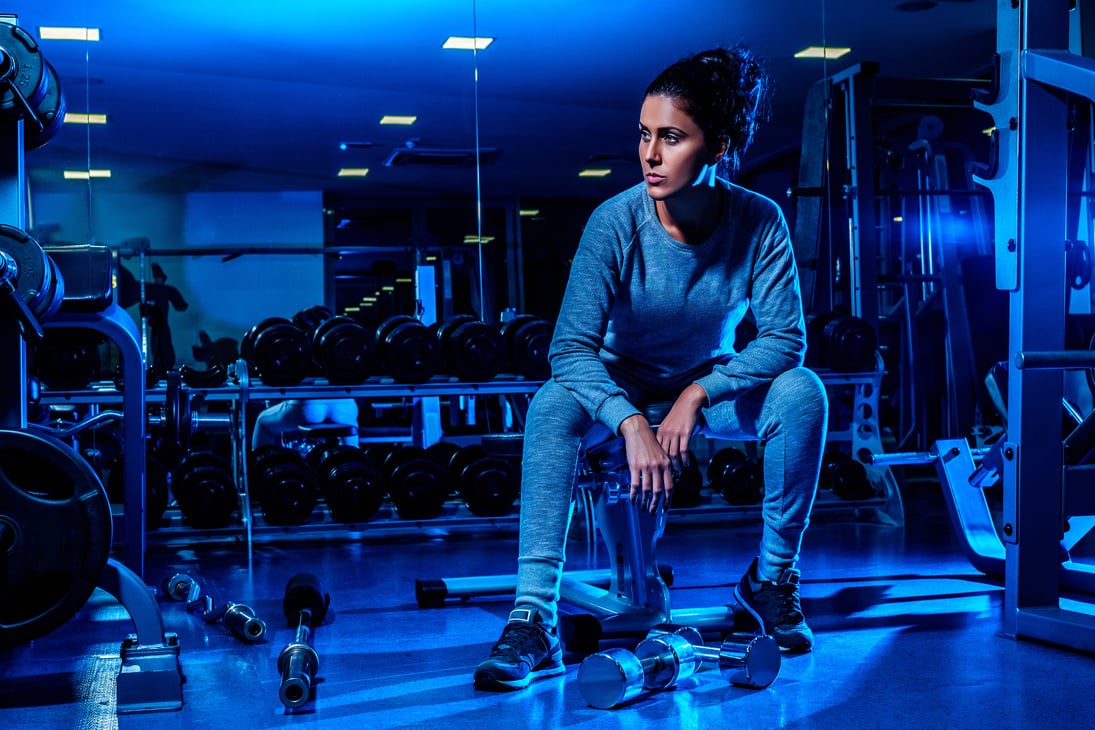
x=394 y=119
x=529 y=212
x=76 y=118
x=595 y=172
x=466 y=43
x=52 y=33
x=353 y=172
x=404 y=281
x=827 y=52
x=472 y=238
x=85 y=174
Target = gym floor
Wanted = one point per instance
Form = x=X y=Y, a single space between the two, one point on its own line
x=907 y=635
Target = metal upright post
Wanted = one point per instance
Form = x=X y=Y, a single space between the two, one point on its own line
x=13 y=211
x=1041 y=81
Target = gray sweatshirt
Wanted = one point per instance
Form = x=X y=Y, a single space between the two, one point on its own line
x=664 y=313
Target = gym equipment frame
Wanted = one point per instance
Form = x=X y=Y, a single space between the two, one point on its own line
x=1038 y=80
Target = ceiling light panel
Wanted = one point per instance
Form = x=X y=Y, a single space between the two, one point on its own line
x=466 y=43
x=56 y=33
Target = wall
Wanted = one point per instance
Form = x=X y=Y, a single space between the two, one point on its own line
x=225 y=297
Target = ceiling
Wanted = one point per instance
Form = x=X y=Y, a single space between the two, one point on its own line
x=247 y=95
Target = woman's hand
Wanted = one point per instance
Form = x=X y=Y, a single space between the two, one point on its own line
x=651 y=470
x=675 y=432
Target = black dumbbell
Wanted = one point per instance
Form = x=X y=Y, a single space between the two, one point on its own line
x=527 y=339
x=845 y=477
x=280 y=480
x=407 y=350
x=615 y=676
x=471 y=349
x=344 y=351
x=841 y=342
x=349 y=481
x=418 y=485
x=152 y=377
x=687 y=484
x=739 y=480
x=213 y=376
x=277 y=351
x=205 y=490
x=67 y=358
x=488 y=484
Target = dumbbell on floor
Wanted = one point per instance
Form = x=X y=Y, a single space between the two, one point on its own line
x=615 y=676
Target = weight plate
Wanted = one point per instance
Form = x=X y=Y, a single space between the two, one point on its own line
x=205 y=490
x=38 y=282
x=50 y=111
x=55 y=533
x=22 y=64
x=528 y=339
x=344 y=351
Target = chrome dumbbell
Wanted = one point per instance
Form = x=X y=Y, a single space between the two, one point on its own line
x=670 y=655
x=238 y=618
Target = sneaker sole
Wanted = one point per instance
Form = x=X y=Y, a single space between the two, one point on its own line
x=554 y=669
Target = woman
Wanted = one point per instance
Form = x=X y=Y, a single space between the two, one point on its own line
x=663 y=275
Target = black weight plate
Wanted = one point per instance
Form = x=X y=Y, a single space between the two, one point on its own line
x=410 y=352
x=473 y=351
x=205 y=490
x=50 y=111
x=284 y=486
x=528 y=339
x=67 y=358
x=417 y=485
x=850 y=344
x=39 y=283
x=489 y=485
x=281 y=352
x=350 y=484
x=24 y=67
x=344 y=350
x=311 y=318
x=55 y=518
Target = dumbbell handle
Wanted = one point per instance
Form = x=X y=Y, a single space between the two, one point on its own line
x=745 y=660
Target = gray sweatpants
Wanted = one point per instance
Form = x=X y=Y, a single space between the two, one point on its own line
x=790 y=415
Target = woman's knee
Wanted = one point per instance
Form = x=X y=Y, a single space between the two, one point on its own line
x=555 y=408
x=801 y=390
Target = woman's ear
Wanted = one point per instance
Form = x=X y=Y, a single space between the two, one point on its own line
x=720 y=149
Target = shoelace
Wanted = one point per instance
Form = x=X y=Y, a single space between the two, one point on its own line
x=515 y=637
x=787 y=601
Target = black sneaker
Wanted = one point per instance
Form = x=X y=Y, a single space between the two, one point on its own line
x=776 y=608
x=526 y=652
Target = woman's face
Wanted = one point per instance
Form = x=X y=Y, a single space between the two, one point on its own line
x=672 y=148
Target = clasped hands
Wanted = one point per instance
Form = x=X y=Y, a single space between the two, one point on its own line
x=653 y=457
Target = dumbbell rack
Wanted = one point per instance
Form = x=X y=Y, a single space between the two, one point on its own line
x=854 y=428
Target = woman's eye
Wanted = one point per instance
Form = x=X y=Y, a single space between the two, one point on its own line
x=672 y=138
